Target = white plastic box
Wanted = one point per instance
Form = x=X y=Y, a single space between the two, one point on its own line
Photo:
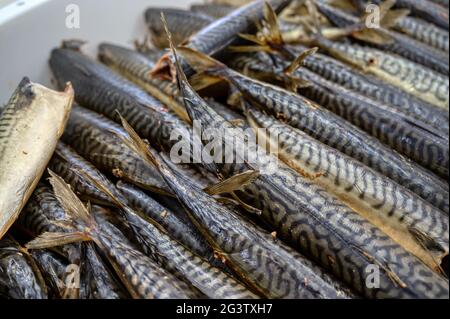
x=29 y=29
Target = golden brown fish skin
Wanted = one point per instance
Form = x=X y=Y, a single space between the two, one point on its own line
x=317 y=224
x=95 y=138
x=20 y=277
x=30 y=126
x=182 y=23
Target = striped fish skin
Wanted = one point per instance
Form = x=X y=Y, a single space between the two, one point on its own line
x=253 y=255
x=266 y=68
x=213 y=10
x=68 y=164
x=30 y=126
x=352 y=79
x=222 y=32
x=182 y=23
x=385 y=203
x=391 y=128
x=143 y=277
x=137 y=68
x=53 y=269
x=413 y=78
x=179 y=260
x=104 y=91
x=95 y=138
x=318 y=225
x=20 y=278
x=41 y=209
x=402 y=45
x=101 y=282
x=175 y=226
x=424 y=9
x=425 y=32
x=399 y=131
x=339 y=134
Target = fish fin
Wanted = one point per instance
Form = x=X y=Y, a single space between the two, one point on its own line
x=180 y=76
x=71 y=204
x=428 y=244
x=202 y=81
x=250 y=48
x=233 y=183
x=137 y=144
x=49 y=240
x=298 y=62
x=245 y=206
x=392 y=17
x=200 y=62
x=386 y=6
x=373 y=36
x=271 y=24
x=102 y=187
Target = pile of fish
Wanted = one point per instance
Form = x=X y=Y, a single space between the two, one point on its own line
x=354 y=203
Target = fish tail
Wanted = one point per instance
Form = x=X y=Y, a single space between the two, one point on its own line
x=80 y=225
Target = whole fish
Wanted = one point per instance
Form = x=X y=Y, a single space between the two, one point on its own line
x=141 y=276
x=383 y=202
x=96 y=138
x=20 y=277
x=68 y=164
x=426 y=84
x=328 y=128
x=352 y=79
x=306 y=216
x=180 y=230
x=220 y=34
x=30 y=126
x=104 y=91
x=396 y=42
x=183 y=24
